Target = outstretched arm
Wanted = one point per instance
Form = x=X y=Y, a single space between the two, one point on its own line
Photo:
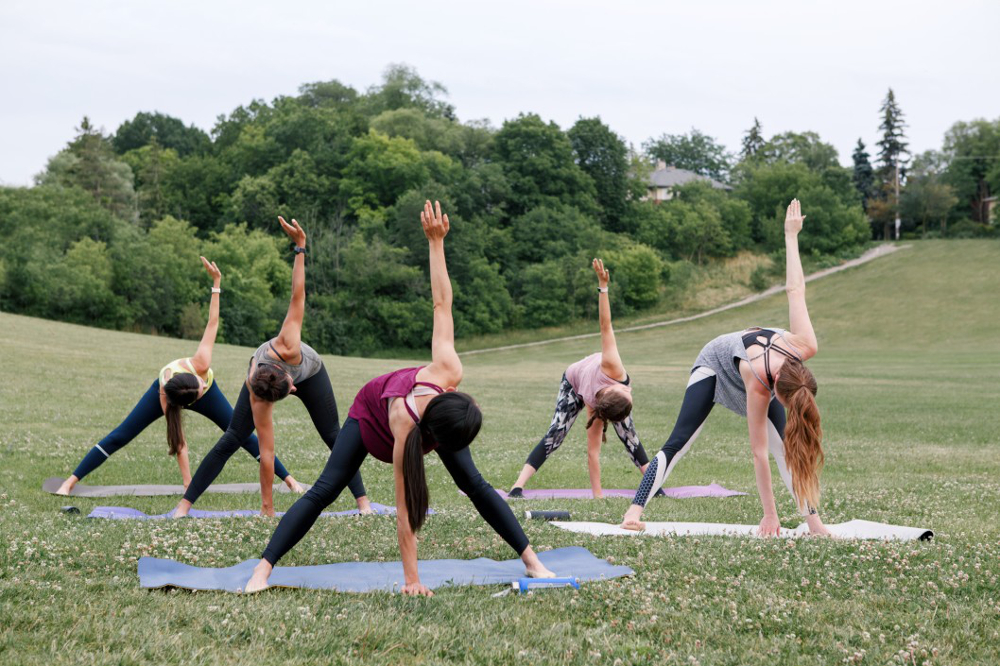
x=202 y=359
x=611 y=361
x=404 y=534
x=263 y=418
x=290 y=337
x=757 y=401
x=803 y=336
x=444 y=360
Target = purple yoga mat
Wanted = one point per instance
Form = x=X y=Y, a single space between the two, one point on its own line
x=680 y=492
x=126 y=513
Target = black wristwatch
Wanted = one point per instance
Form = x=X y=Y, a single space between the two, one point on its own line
x=299 y=250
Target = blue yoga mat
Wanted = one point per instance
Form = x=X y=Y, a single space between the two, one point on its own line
x=369 y=576
x=126 y=513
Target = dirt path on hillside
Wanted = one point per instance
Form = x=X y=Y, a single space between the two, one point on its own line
x=874 y=253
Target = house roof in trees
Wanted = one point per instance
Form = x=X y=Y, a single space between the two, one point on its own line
x=671 y=176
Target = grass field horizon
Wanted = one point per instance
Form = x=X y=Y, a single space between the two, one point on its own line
x=909 y=375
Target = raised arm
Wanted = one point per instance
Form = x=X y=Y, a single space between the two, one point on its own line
x=202 y=359
x=444 y=360
x=290 y=337
x=801 y=328
x=611 y=361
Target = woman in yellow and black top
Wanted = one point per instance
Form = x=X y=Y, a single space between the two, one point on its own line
x=186 y=383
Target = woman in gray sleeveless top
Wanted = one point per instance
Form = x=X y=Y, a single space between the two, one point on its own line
x=757 y=373
x=280 y=366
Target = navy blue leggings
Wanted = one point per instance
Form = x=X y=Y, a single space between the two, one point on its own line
x=213 y=405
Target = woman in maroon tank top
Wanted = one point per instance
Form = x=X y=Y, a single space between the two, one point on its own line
x=398 y=418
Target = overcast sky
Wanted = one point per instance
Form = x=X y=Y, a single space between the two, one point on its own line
x=644 y=67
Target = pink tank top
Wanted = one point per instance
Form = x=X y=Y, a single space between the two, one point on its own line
x=371 y=410
x=587 y=379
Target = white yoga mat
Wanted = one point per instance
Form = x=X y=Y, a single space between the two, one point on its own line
x=854 y=529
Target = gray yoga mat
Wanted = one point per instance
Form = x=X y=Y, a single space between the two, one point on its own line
x=141 y=490
x=370 y=576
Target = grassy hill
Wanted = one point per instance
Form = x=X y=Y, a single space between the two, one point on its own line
x=909 y=374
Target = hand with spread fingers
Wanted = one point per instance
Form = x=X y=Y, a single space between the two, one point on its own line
x=435 y=224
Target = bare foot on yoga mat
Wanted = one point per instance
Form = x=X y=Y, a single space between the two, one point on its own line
x=258 y=581
x=634 y=525
x=267 y=511
x=67 y=486
x=364 y=506
x=181 y=511
x=533 y=567
x=294 y=485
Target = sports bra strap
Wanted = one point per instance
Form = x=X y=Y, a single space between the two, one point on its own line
x=276 y=352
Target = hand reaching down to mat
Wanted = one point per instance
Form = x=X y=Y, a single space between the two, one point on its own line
x=416 y=590
x=769 y=526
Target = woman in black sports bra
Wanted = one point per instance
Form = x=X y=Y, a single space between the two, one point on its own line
x=758 y=373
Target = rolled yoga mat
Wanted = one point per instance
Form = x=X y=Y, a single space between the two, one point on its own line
x=679 y=492
x=139 y=490
x=854 y=529
x=126 y=513
x=369 y=576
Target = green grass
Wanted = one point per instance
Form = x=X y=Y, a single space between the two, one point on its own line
x=908 y=368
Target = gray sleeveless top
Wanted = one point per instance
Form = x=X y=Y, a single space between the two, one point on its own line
x=309 y=366
x=718 y=355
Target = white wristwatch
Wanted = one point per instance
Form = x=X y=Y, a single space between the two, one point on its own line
x=602 y=290
x=216 y=290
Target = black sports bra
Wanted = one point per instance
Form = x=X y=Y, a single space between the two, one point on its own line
x=750 y=339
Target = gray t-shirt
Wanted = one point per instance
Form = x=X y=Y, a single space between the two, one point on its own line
x=309 y=366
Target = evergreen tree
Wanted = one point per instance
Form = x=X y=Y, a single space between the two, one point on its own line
x=753 y=141
x=864 y=174
x=892 y=152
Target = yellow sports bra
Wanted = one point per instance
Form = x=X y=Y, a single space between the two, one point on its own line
x=182 y=365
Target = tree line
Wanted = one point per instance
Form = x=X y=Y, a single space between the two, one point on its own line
x=111 y=233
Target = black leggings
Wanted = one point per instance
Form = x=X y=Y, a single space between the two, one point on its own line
x=699 y=398
x=316 y=394
x=346 y=458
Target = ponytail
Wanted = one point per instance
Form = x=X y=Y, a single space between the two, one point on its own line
x=175 y=429
x=415 y=479
x=604 y=433
x=803 y=434
x=181 y=390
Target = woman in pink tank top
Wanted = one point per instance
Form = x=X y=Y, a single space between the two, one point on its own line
x=600 y=383
x=398 y=418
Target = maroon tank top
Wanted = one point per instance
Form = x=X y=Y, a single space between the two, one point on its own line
x=371 y=410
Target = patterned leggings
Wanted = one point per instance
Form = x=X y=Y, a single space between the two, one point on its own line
x=568 y=407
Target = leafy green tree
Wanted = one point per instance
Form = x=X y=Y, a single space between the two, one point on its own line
x=540 y=166
x=551 y=231
x=603 y=156
x=90 y=164
x=973 y=153
x=864 y=175
x=636 y=271
x=167 y=131
x=258 y=276
x=152 y=165
x=545 y=295
x=467 y=143
x=79 y=286
x=403 y=88
x=800 y=148
x=734 y=214
x=927 y=197
x=695 y=152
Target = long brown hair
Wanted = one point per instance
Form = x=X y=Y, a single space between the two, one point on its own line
x=611 y=407
x=452 y=420
x=181 y=390
x=796 y=386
